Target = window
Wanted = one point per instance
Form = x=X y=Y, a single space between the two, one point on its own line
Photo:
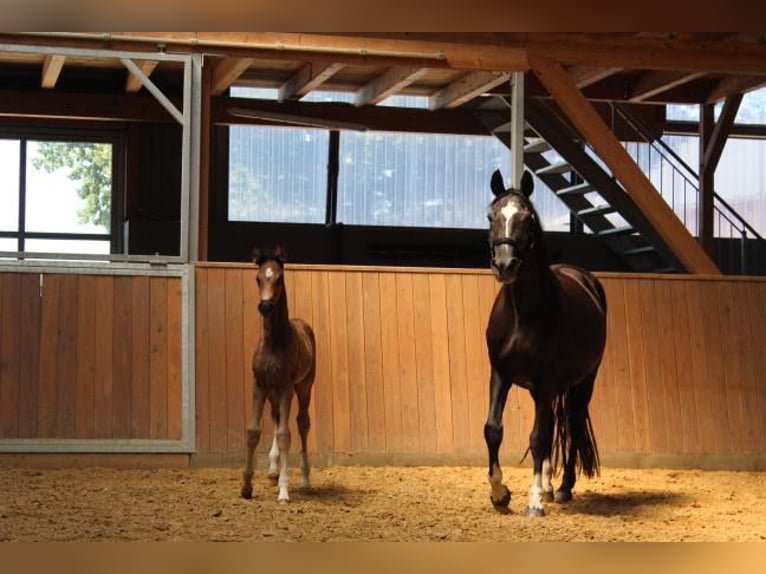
x=57 y=195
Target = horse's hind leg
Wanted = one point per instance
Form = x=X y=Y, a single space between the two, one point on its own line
x=274 y=452
x=493 y=435
x=582 y=444
x=253 y=436
x=540 y=442
x=304 y=424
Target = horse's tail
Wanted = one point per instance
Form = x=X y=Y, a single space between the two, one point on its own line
x=573 y=430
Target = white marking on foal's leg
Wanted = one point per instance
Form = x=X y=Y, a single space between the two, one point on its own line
x=547 y=474
x=536 y=493
x=274 y=459
x=284 y=478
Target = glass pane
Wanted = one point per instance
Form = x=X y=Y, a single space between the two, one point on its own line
x=69 y=187
x=8 y=244
x=752 y=110
x=9 y=184
x=66 y=246
x=278 y=174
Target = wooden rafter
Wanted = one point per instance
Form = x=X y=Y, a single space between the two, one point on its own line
x=226 y=72
x=653 y=83
x=387 y=84
x=714 y=147
x=582 y=114
x=133 y=83
x=584 y=76
x=734 y=85
x=308 y=78
x=466 y=88
x=52 y=66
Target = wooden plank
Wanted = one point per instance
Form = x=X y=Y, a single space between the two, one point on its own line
x=323 y=421
x=86 y=364
x=424 y=363
x=653 y=338
x=174 y=359
x=226 y=72
x=757 y=315
x=589 y=123
x=235 y=373
x=390 y=346
x=158 y=357
x=308 y=78
x=405 y=322
x=457 y=359
x=67 y=356
x=732 y=367
x=140 y=365
x=103 y=350
x=52 y=65
x=441 y=364
x=121 y=357
x=10 y=343
x=216 y=308
x=475 y=355
x=357 y=390
x=674 y=412
x=606 y=399
x=339 y=358
x=389 y=83
x=133 y=83
x=638 y=384
x=466 y=88
x=684 y=382
x=373 y=355
x=743 y=310
x=29 y=374
x=202 y=365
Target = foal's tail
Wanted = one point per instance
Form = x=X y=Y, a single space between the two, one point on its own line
x=574 y=436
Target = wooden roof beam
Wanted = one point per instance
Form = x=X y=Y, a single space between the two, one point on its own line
x=585 y=118
x=466 y=88
x=653 y=83
x=584 y=76
x=226 y=72
x=133 y=83
x=308 y=78
x=387 y=84
x=721 y=131
x=734 y=85
x=51 y=69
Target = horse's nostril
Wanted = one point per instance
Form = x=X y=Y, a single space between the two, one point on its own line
x=513 y=263
x=265 y=307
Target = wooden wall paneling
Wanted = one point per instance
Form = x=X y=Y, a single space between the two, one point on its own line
x=733 y=367
x=392 y=402
x=302 y=309
x=687 y=391
x=757 y=315
x=10 y=296
x=605 y=398
x=85 y=346
x=424 y=363
x=251 y=334
x=103 y=360
x=158 y=357
x=457 y=358
x=235 y=374
x=140 y=359
x=67 y=356
x=174 y=415
x=357 y=384
x=29 y=350
x=441 y=364
x=742 y=332
x=336 y=291
x=475 y=363
x=216 y=308
x=409 y=403
x=323 y=422
x=121 y=355
x=202 y=366
x=373 y=359
x=638 y=376
x=47 y=420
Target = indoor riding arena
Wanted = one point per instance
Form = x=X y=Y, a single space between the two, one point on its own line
x=131 y=312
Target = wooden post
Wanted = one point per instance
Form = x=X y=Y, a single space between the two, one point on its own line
x=204 y=157
x=706 y=181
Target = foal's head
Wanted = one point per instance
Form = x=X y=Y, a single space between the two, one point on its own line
x=513 y=227
x=270 y=277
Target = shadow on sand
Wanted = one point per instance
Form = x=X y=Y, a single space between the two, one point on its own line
x=630 y=502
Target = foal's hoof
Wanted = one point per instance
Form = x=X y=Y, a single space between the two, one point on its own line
x=547 y=496
x=534 y=511
x=501 y=505
x=247 y=491
x=563 y=496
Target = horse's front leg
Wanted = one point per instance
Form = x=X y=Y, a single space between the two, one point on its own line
x=283 y=440
x=540 y=444
x=273 y=473
x=493 y=435
x=253 y=436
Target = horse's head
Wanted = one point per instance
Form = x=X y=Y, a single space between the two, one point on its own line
x=513 y=227
x=270 y=277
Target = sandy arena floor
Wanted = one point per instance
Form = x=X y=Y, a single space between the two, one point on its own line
x=374 y=504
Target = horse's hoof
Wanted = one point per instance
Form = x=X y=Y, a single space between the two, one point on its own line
x=547 y=496
x=502 y=505
x=563 y=496
x=273 y=477
x=247 y=491
x=534 y=511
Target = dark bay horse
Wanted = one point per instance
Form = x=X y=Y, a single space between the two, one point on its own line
x=546 y=333
x=283 y=363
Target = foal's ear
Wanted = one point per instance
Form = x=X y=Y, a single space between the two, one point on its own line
x=255 y=255
x=527 y=183
x=280 y=254
x=496 y=183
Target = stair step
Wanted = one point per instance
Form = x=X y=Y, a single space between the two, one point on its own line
x=560 y=167
x=639 y=250
x=627 y=230
x=537 y=145
x=502 y=128
x=597 y=210
x=578 y=189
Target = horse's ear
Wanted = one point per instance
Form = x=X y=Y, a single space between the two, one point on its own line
x=280 y=254
x=255 y=255
x=497 y=185
x=527 y=183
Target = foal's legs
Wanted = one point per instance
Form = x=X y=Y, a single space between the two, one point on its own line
x=283 y=441
x=253 y=436
x=540 y=443
x=274 y=452
x=493 y=435
x=304 y=424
